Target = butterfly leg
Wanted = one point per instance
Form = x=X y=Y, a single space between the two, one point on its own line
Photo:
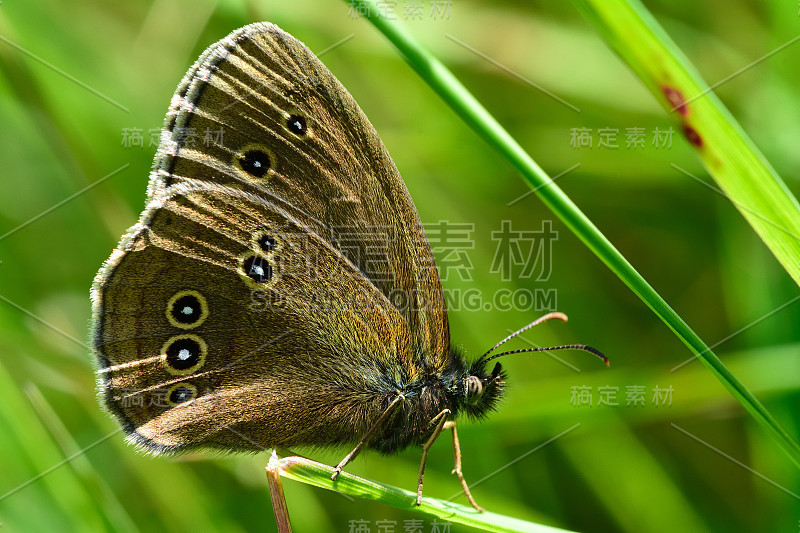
x=440 y=420
x=457 y=470
x=378 y=423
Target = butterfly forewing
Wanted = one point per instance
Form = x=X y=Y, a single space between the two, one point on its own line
x=253 y=88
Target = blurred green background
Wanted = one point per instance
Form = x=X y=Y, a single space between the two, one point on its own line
x=77 y=78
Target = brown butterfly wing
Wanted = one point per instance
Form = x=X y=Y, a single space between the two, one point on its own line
x=289 y=361
x=308 y=356
x=242 y=95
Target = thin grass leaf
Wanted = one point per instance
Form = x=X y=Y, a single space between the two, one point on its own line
x=94 y=481
x=479 y=119
x=317 y=474
x=40 y=477
x=277 y=496
x=742 y=172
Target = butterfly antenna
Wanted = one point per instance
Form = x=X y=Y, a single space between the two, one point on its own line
x=581 y=347
x=536 y=322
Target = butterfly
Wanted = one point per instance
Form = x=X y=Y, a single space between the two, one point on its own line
x=278 y=290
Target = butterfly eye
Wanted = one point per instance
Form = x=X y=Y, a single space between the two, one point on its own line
x=256 y=162
x=181 y=393
x=183 y=354
x=296 y=125
x=474 y=389
x=258 y=269
x=187 y=309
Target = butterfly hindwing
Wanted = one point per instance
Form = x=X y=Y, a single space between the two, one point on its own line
x=179 y=314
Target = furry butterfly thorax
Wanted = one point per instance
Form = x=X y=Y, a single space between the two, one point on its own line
x=278 y=290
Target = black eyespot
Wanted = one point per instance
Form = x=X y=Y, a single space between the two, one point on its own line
x=266 y=243
x=255 y=162
x=181 y=394
x=296 y=125
x=186 y=309
x=258 y=269
x=184 y=353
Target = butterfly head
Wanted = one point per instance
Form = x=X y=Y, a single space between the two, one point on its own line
x=482 y=390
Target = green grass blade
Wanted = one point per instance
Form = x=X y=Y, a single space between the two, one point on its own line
x=742 y=172
x=39 y=489
x=317 y=474
x=93 y=480
x=478 y=118
x=676 y=510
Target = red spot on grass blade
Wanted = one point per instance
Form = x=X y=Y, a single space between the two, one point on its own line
x=692 y=136
x=675 y=99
